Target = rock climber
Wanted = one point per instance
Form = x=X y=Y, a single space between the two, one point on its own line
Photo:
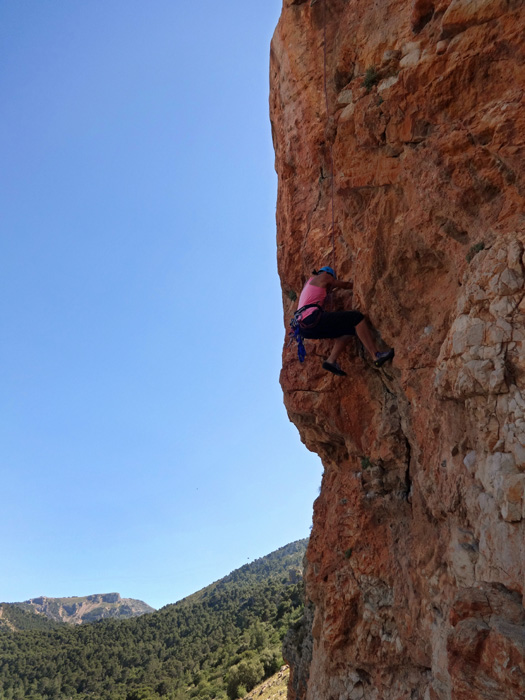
x=314 y=322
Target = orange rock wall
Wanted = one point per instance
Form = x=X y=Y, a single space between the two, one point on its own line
x=415 y=566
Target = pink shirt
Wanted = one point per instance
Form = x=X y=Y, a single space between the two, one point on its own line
x=311 y=295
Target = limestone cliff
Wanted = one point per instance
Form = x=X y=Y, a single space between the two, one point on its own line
x=412 y=114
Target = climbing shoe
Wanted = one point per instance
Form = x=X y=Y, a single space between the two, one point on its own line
x=382 y=357
x=334 y=368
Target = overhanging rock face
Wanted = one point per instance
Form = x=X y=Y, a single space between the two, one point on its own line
x=410 y=118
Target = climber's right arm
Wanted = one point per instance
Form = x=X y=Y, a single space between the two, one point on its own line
x=341 y=284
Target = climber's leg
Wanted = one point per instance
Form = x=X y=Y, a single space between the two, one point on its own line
x=339 y=345
x=342 y=326
x=364 y=333
x=330 y=364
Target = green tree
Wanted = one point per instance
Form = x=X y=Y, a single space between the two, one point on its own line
x=247 y=674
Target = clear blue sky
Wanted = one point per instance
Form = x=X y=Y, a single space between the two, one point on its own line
x=144 y=447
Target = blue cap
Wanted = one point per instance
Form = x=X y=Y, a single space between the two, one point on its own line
x=329 y=270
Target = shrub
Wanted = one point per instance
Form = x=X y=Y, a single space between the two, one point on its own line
x=474 y=250
x=371 y=78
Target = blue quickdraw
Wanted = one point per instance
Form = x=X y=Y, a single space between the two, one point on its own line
x=296 y=335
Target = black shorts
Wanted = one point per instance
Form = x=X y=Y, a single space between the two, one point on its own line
x=330 y=324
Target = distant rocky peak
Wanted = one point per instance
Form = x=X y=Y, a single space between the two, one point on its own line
x=80 y=609
x=105 y=598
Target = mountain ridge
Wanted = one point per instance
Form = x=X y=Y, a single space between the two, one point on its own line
x=77 y=610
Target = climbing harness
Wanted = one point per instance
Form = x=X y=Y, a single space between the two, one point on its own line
x=296 y=326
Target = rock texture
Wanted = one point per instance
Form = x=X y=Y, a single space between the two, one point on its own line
x=76 y=610
x=415 y=566
x=297 y=649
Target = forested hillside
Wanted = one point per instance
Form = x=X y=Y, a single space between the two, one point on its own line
x=218 y=643
x=13 y=617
